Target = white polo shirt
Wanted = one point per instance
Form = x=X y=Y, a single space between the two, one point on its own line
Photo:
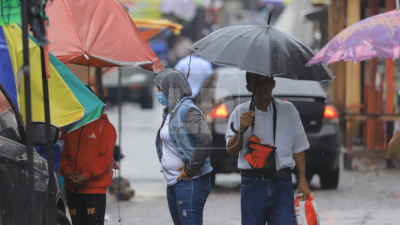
x=290 y=135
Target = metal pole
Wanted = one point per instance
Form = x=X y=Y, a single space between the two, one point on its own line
x=28 y=111
x=119 y=117
x=49 y=146
x=99 y=79
x=397 y=5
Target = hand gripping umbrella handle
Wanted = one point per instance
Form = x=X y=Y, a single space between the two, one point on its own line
x=240 y=131
x=251 y=108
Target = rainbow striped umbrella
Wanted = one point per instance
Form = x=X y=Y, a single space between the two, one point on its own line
x=71 y=103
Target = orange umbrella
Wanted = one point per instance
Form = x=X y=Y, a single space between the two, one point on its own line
x=97 y=33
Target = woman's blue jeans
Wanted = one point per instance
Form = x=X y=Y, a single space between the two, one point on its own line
x=270 y=202
x=186 y=200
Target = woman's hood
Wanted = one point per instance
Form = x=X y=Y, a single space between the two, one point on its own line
x=174 y=85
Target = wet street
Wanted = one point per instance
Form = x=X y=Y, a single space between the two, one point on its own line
x=362 y=197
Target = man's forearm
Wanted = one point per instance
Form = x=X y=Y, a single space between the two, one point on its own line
x=300 y=159
x=235 y=145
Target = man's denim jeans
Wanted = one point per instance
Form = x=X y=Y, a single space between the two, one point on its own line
x=269 y=202
x=186 y=200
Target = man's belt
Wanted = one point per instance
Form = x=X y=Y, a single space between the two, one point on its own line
x=264 y=176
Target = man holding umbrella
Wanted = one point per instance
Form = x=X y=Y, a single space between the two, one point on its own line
x=269 y=197
x=276 y=142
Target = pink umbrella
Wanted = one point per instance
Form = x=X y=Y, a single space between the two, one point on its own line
x=97 y=33
x=375 y=37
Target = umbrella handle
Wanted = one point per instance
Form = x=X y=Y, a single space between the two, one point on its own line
x=240 y=131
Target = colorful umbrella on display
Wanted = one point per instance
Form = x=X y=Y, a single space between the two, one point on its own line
x=144 y=9
x=70 y=101
x=375 y=37
x=276 y=2
x=97 y=33
x=152 y=28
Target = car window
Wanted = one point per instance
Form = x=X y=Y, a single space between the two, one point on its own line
x=230 y=84
x=8 y=120
x=204 y=99
x=207 y=90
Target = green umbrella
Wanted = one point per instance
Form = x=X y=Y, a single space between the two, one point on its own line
x=10 y=12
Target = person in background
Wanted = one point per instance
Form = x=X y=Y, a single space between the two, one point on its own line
x=57 y=149
x=179 y=49
x=394 y=145
x=182 y=144
x=86 y=165
x=200 y=69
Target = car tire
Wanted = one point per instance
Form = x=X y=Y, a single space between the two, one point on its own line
x=62 y=219
x=146 y=99
x=329 y=179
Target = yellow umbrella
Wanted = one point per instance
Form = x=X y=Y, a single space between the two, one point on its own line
x=65 y=108
x=155 y=27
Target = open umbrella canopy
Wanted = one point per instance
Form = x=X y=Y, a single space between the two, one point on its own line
x=153 y=27
x=70 y=100
x=97 y=33
x=375 y=37
x=261 y=49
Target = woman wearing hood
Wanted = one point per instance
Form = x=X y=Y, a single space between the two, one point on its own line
x=183 y=143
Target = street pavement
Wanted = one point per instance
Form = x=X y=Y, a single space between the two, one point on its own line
x=370 y=198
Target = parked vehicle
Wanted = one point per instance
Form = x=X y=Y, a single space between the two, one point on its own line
x=226 y=88
x=137 y=85
x=14 y=194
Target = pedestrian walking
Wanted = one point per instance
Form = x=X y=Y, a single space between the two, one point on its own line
x=86 y=165
x=183 y=143
x=268 y=197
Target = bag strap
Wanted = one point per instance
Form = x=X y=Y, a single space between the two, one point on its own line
x=275 y=115
x=274 y=120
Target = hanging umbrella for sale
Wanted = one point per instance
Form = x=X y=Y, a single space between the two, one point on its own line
x=97 y=33
x=262 y=50
x=375 y=37
x=152 y=28
x=82 y=105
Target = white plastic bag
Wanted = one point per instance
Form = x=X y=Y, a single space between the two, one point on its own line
x=306 y=212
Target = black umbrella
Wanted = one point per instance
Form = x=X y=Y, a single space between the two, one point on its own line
x=262 y=50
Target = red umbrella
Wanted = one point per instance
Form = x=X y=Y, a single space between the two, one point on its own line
x=97 y=33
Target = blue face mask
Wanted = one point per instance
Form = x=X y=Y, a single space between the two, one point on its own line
x=161 y=99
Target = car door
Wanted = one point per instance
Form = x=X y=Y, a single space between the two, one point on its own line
x=14 y=195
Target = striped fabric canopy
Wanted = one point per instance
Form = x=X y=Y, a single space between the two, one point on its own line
x=71 y=103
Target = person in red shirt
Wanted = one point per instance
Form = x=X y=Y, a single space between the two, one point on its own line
x=86 y=165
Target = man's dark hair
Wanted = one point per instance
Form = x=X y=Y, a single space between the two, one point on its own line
x=248 y=77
